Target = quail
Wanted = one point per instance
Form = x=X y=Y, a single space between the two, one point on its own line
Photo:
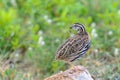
x=74 y=47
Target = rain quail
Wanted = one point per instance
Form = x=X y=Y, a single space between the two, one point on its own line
x=74 y=47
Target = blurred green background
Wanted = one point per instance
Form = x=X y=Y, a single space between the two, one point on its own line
x=31 y=31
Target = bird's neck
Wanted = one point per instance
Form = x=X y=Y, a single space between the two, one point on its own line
x=82 y=33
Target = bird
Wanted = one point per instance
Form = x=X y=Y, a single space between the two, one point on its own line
x=74 y=47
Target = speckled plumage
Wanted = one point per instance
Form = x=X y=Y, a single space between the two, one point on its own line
x=75 y=46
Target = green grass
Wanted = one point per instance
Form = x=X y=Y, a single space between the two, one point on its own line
x=31 y=31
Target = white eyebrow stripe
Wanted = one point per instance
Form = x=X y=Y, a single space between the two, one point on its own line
x=80 y=26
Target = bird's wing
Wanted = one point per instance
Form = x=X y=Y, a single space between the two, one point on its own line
x=73 y=48
x=79 y=47
x=62 y=49
x=81 y=52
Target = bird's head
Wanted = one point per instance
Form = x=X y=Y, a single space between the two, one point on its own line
x=78 y=27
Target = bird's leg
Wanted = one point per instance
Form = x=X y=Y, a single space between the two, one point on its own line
x=70 y=63
x=73 y=66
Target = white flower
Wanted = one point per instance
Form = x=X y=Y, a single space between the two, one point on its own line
x=49 y=21
x=116 y=51
x=118 y=12
x=46 y=17
x=93 y=24
x=13 y=2
x=71 y=35
x=40 y=41
x=40 y=32
x=94 y=33
x=96 y=50
x=12 y=34
x=107 y=53
x=30 y=48
x=57 y=40
x=29 y=22
x=17 y=55
x=110 y=33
